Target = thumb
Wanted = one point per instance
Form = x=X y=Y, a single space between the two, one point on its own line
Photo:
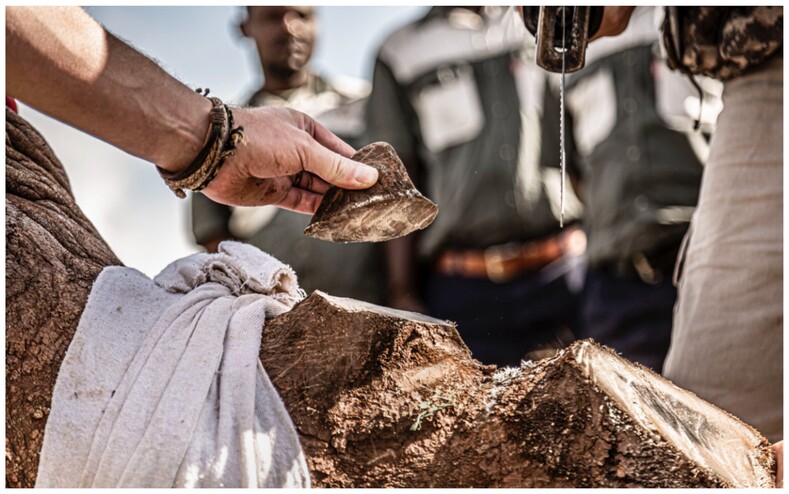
x=339 y=170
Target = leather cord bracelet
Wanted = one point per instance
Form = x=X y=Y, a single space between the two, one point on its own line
x=221 y=142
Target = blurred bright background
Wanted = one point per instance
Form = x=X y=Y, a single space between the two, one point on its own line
x=143 y=222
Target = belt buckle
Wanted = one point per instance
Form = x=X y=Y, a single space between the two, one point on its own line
x=495 y=258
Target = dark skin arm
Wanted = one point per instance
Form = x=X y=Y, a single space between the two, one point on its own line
x=402 y=270
x=212 y=245
x=615 y=20
x=402 y=266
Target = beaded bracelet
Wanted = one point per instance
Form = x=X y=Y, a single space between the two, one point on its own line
x=220 y=143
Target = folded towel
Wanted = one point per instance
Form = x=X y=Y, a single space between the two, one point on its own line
x=162 y=385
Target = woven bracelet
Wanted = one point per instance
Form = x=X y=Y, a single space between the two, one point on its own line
x=220 y=143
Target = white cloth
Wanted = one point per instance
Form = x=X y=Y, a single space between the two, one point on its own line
x=162 y=385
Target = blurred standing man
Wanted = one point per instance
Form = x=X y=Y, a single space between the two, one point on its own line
x=640 y=171
x=284 y=38
x=455 y=96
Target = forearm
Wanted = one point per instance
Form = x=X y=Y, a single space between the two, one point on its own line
x=401 y=266
x=63 y=63
x=210 y=221
x=615 y=21
x=401 y=253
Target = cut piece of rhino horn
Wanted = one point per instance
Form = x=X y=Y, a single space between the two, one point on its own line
x=391 y=208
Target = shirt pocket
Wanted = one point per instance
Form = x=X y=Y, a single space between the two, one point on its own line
x=450 y=110
x=593 y=104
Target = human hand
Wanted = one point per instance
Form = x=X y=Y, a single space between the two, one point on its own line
x=778 y=450
x=615 y=20
x=212 y=245
x=288 y=160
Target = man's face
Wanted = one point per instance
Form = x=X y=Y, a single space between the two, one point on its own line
x=284 y=36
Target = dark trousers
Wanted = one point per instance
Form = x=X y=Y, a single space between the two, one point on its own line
x=502 y=322
x=630 y=316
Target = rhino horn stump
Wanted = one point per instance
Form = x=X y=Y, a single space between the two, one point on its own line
x=385 y=398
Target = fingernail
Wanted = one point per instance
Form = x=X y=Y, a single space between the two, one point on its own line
x=365 y=175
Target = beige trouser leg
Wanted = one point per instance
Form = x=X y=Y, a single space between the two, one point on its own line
x=727 y=341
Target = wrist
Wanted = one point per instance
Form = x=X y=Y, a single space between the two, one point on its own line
x=221 y=142
x=184 y=134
